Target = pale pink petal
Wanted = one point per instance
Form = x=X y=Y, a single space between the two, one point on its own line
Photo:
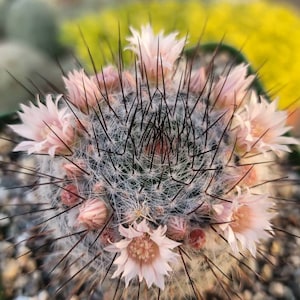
x=49 y=128
x=231 y=89
x=246 y=220
x=198 y=81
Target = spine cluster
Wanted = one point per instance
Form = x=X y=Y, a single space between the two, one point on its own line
x=159 y=175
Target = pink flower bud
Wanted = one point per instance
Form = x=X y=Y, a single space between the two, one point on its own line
x=93 y=213
x=107 y=80
x=198 y=81
x=196 y=238
x=83 y=92
x=128 y=80
x=176 y=228
x=69 y=195
x=74 y=169
x=108 y=236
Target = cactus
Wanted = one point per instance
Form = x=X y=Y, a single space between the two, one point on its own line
x=34 y=23
x=159 y=177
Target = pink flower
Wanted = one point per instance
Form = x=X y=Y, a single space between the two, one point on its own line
x=145 y=253
x=231 y=89
x=49 y=128
x=245 y=220
x=93 y=214
x=155 y=53
x=260 y=127
x=83 y=91
x=108 y=79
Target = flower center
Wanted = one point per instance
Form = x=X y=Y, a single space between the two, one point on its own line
x=142 y=249
x=241 y=219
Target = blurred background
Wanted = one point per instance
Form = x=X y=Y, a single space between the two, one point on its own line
x=42 y=39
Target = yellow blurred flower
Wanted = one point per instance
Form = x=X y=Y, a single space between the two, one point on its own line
x=267 y=33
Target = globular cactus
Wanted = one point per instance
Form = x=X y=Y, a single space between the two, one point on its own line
x=158 y=176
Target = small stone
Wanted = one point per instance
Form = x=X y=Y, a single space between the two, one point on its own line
x=288 y=294
x=21 y=238
x=278 y=290
x=10 y=272
x=296 y=284
x=21 y=282
x=5 y=145
x=247 y=295
x=23 y=298
x=6 y=248
x=267 y=272
x=4 y=220
x=276 y=248
x=273 y=260
x=286 y=271
x=43 y=295
x=261 y=296
x=28 y=163
x=3 y=193
x=32 y=288
x=30 y=265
